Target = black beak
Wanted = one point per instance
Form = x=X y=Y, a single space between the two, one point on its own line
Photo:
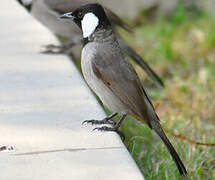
x=67 y=16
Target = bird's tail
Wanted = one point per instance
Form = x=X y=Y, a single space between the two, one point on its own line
x=155 y=124
x=139 y=60
x=117 y=20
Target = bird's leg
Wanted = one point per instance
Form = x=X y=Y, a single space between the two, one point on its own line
x=61 y=49
x=107 y=120
x=115 y=126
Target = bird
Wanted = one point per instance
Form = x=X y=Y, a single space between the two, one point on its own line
x=111 y=76
x=47 y=12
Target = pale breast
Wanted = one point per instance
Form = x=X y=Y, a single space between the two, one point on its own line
x=109 y=99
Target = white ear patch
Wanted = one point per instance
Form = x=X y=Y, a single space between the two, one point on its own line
x=27 y=2
x=89 y=24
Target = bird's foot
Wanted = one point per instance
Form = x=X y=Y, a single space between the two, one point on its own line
x=54 y=49
x=61 y=49
x=104 y=121
x=106 y=128
x=115 y=128
x=107 y=120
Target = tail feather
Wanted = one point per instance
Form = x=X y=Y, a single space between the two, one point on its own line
x=116 y=20
x=158 y=129
x=138 y=59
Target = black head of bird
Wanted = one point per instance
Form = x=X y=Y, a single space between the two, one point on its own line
x=89 y=18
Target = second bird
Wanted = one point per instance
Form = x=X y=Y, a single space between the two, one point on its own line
x=48 y=11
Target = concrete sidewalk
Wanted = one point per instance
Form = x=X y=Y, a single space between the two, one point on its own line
x=43 y=100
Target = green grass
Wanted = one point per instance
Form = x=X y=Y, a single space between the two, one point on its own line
x=181 y=49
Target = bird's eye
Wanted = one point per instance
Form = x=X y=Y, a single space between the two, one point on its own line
x=80 y=15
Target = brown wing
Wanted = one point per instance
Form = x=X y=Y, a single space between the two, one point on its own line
x=122 y=79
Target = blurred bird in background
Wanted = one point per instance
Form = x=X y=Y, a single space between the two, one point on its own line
x=47 y=12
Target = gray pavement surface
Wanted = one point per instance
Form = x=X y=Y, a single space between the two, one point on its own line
x=43 y=100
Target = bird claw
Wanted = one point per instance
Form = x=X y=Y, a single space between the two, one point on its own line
x=114 y=129
x=104 y=128
x=51 y=52
x=88 y=121
x=52 y=46
x=54 y=49
x=109 y=121
x=104 y=121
